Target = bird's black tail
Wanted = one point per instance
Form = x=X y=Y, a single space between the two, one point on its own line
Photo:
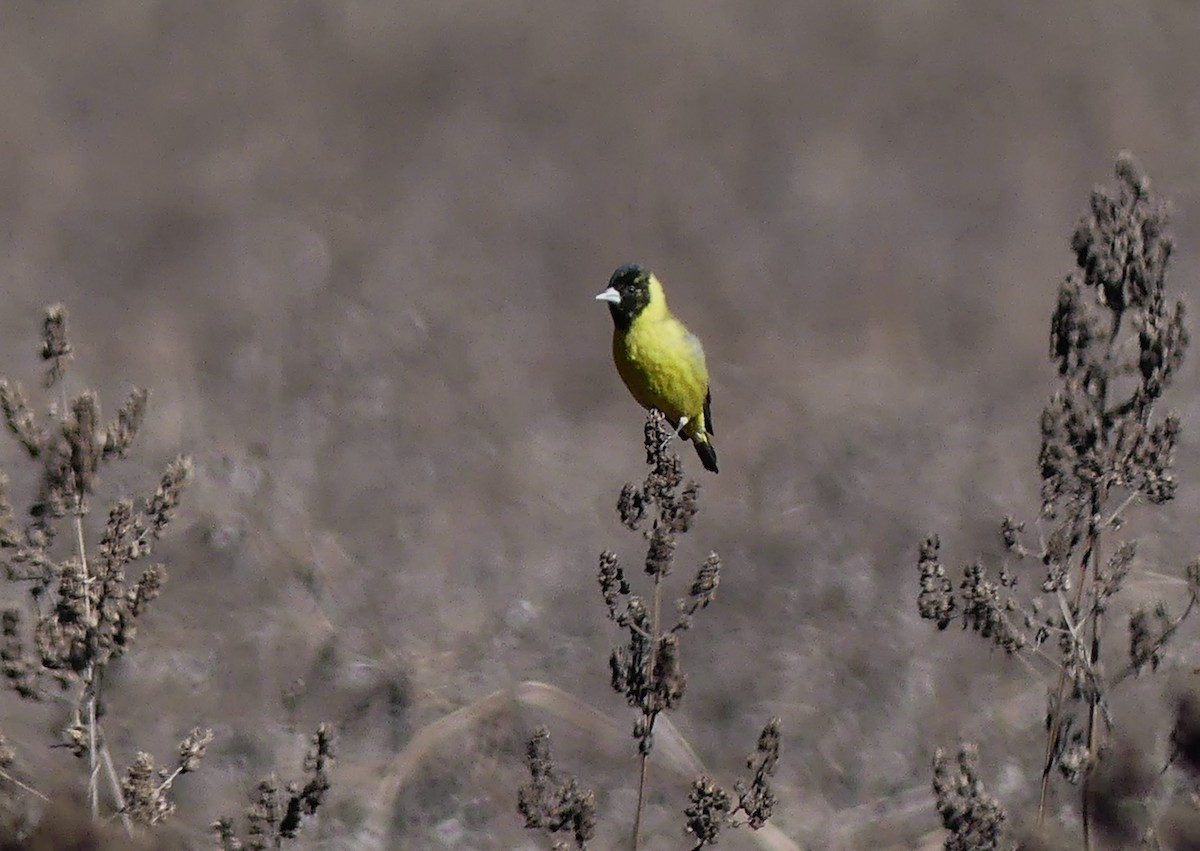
x=708 y=455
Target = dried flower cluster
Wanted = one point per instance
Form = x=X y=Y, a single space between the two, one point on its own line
x=83 y=606
x=552 y=802
x=7 y=754
x=1117 y=342
x=146 y=791
x=86 y=607
x=272 y=817
x=974 y=819
x=646 y=669
x=984 y=608
x=710 y=808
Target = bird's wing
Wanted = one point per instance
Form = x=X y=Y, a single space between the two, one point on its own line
x=698 y=353
x=697 y=350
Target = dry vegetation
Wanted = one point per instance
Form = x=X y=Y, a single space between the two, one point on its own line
x=1118 y=338
x=350 y=247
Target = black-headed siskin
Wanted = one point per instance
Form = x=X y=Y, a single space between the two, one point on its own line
x=660 y=361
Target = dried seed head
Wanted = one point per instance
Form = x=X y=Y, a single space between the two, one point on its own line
x=10 y=536
x=756 y=798
x=7 y=754
x=1122 y=246
x=65 y=635
x=82 y=431
x=1149 y=629
x=17 y=666
x=120 y=544
x=613 y=585
x=55 y=347
x=631 y=506
x=935 y=601
x=661 y=551
x=707 y=810
x=148 y=587
x=122 y=431
x=679 y=513
x=19 y=418
x=669 y=681
x=629 y=664
x=1072 y=328
x=192 y=749
x=974 y=818
x=703 y=591
x=264 y=813
x=1150 y=463
x=75 y=738
x=146 y=799
x=1116 y=570
x=223 y=828
x=1010 y=535
x=986 y=613
x=657 y=434
x=552 y=804
x=161 y=509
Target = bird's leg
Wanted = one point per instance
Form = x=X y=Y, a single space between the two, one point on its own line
x=683 y=421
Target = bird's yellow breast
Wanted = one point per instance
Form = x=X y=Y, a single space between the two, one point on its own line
x=662 y=364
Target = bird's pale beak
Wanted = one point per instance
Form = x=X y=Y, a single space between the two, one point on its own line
x=610 y=295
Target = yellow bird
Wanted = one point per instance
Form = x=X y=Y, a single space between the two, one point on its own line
x=660 y=361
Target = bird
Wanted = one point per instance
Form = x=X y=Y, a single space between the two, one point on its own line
x=658 y=358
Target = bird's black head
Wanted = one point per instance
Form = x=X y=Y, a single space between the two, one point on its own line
x=631 y=286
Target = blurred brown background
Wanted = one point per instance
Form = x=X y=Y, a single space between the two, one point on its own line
x=352 y=248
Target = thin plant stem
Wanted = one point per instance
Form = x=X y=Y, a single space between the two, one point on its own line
x=648 y=718
x=115 y=784
x=1115 y=517
x=1056 y=724
x=21 y=785
x=641 y=802
x=89 y=673
x=1096 y=618
x=1096 y=615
